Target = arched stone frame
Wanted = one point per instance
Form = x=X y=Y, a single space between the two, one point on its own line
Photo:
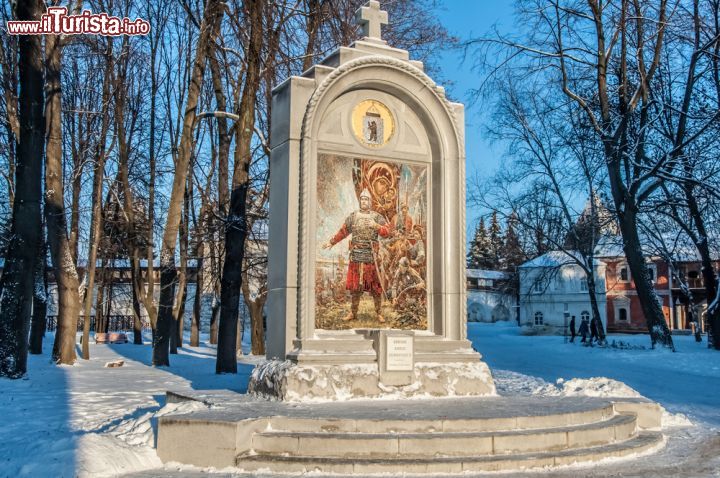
x=447 y=196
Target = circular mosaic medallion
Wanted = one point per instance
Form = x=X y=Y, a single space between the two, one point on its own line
x=372 y=123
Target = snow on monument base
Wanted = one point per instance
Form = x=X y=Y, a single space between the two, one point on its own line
x=290 y=381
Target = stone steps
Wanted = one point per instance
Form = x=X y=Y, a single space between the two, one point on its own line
x=643 y=442
x=412 y=436
x=388 y=423
x=443 y=443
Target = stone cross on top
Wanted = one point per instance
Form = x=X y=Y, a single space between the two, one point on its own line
x=370 y=18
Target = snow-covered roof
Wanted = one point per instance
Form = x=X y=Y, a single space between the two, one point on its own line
x=553 y=259
x=609 y=246
x=487 y=274
x=679 y=246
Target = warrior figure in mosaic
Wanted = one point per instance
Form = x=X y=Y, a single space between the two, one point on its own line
x=364 y=226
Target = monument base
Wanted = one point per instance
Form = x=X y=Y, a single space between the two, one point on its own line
x=290 y=381
x=449 y=436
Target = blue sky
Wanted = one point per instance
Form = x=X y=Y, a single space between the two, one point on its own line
x=466 y=19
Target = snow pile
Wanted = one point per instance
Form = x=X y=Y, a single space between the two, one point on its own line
x=607 y=388
x=593 y=387
x=514 y=383
x=511 y=383
x=140 y=431
x=127 y=446
x=675 y=420
x=101 y=455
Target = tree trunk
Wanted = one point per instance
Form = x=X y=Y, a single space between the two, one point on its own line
x=179 y=308
x=40 y=297
x=149 y=289
x=239 y=337
x=100 y=300
x=214 y=320
x=197 y=303
x=133 y=241
x=168 y=273
x=649 y=301
x=182 y=297
x=312 y=25
x=39 y=321
x=255 y=309
x=76 y=190
x=137 y=311
x=236 y=222
x=215 y=268
x=258 y=329
x=710 y=280
x=9 y=69
x=224 y=136
x=593 y=298
x=110 y=278
x=96 y=216
x=18 y=274
x=60 y=247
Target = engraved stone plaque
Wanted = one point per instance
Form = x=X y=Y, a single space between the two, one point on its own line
x=399 y=353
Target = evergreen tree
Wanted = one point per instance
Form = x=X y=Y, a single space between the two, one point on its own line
x=513 y=254
x=496 y=242
x=479 y=254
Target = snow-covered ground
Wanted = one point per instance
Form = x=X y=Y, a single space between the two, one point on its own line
x=686 y=381
x=89 y=420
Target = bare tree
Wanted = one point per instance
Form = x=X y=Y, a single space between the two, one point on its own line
x=692 y=131
x=10 y=132
x=60 y=247
x=168 y=273
x=236 y=223
x=18 y=274
x=97 y=198
x=605 y=58
x=40 y=301
x=548 y=148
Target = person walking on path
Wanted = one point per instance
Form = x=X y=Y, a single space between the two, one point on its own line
x=593 y=331
x=572 y=329
x=583 y=330
x=596 y=331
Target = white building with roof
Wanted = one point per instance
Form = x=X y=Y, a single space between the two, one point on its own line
x=490 y=296
x=553 y=288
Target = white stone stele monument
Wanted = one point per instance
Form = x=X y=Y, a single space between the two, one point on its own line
x=367 y=302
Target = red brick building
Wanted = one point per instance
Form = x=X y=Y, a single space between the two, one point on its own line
x=624 y=313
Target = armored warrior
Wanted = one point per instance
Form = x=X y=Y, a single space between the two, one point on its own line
x=364 y=225
x=407 y=283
